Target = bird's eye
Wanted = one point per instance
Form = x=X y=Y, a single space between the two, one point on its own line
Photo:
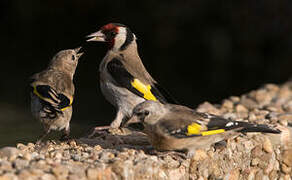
x=113 y=33
x=73 y=57
x=146 y=113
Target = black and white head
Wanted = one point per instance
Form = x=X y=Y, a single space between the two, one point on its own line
x=118 y=36
x=149 y=112
x=66 y=60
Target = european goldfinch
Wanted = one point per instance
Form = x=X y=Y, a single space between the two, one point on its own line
x=176 y=127
x=52 y=92
x=124 y=81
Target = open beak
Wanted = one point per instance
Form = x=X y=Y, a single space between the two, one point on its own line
x=133 y=123
x=77 y=50
x=97 y=36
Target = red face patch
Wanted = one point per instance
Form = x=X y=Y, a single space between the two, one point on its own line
x=110 y=27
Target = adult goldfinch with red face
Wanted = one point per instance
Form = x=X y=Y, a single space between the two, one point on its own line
x=176 y=127
x=124 y=81
x=52 y=92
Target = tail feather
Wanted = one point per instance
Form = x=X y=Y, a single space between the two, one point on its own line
x=248 y=127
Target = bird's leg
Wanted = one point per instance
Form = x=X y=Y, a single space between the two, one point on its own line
x=115 y=124
x=39 y=141
x=66 y=134
x=174 y=154
x=118 y=120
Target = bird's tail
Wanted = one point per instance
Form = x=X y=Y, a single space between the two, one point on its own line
x=248 y=127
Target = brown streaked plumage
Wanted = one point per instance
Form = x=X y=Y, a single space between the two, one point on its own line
x=52 y=92
x=176 y=127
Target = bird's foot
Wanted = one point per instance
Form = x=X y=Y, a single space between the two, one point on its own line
x=177 y=155
x=65 y=137
x=99 y=130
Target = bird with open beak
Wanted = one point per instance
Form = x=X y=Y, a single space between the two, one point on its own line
x=52 y=92
x=124 y=81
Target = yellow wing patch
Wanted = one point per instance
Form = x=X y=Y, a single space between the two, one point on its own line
x=144 y=89
x=48 y=99
x=71 y=101
x=195 y=129
x=38 y=94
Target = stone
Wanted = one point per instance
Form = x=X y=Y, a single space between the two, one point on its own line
x=207 y=107
x=285 y=169
x=241 y=109
x=227 y=104
x=20 y=163
x=60 y=171
x=47 y=177
x=267 y=145
x=232 y=175
x=287 y=157
x=200 y=155
x=10 y=152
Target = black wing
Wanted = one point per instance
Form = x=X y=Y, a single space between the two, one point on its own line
x=57 y=101
x=127 y=80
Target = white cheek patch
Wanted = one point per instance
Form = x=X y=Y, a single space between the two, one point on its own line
x=120 y=38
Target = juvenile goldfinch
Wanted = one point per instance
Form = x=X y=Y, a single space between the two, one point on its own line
x=52 y=92
x=176 y=127
x=124 y=81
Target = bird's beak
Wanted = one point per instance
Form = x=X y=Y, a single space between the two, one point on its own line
x=133 y=123
x=77 y=50
x=97 y=36
x=133 y=120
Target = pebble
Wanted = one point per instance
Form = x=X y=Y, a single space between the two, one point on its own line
x=287 y=157
x=285 y=169
x=10 y=152
x=267 y=145
x=200 y=155
x=120 y=156
x=241 y=109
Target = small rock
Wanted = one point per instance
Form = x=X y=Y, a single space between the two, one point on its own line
x=47 y=177
x=255 y=161
x=285 y=169
x=97 y=148
x=286 y=117
x=20 y=163
x=252 y=117
x=248 y=102
x=263 y=97
x=273 y=175
x=92 y=173
x=8 y=176
x=287 y=157
x=232 y=175
x=21 y=146
x=267 y=145
x=240 y=109
x=257 y=151
x=209 y=108
x=60 y=171
x=73 y=143
x=24 y=174
x=27 y=156
x=283 y=122
x=269 y=168
x=227 y=104
x=259 y=175
x=272 y=87
x=235 y=99
x=200 y=155
x=10 y=152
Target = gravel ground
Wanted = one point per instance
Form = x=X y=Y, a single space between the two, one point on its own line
x=122 y=154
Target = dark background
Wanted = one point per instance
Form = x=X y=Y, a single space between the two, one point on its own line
x=200 y=50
